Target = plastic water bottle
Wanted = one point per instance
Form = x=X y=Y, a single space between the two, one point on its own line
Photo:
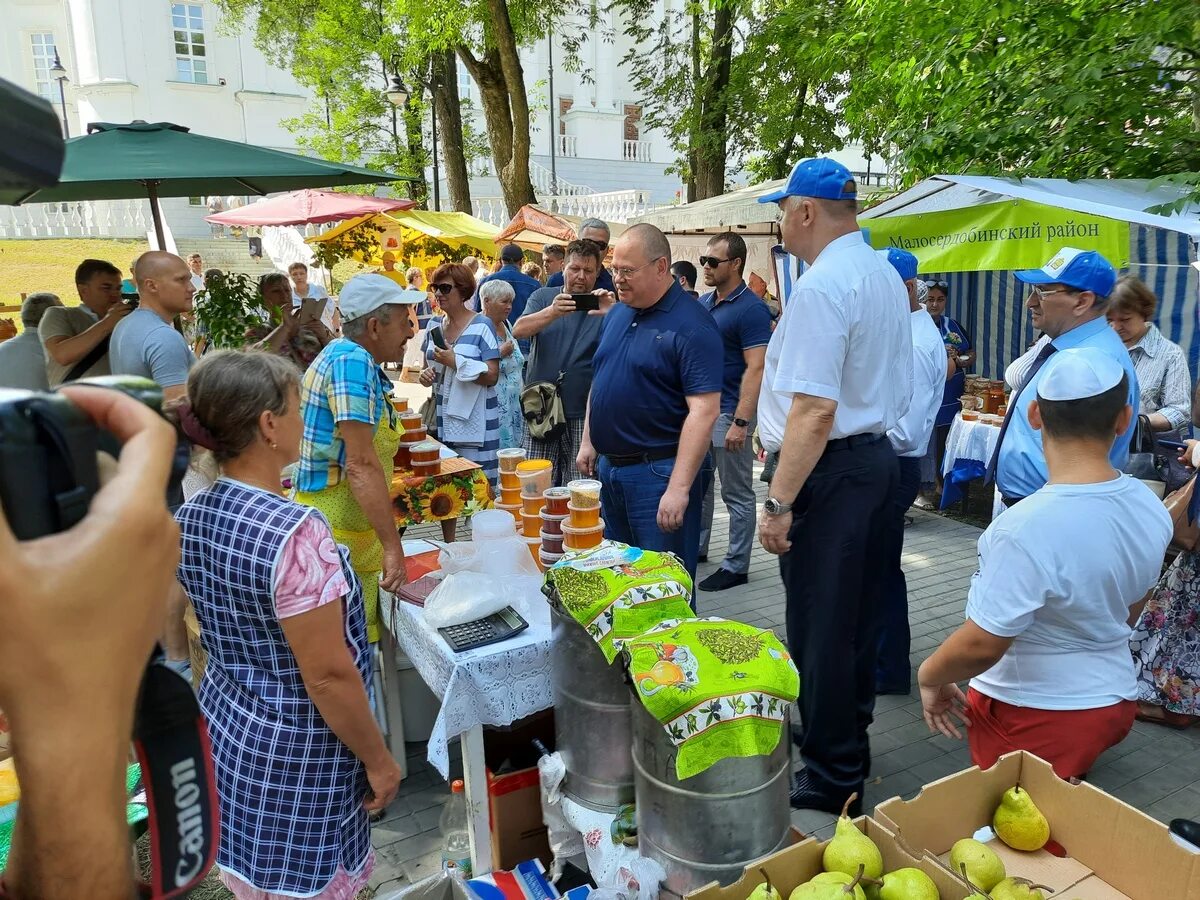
x=456 y=839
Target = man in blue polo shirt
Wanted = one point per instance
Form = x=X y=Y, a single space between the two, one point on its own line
x=598 y=232
x=655 y=396
x=1067 y=298
x=745 y=325
x=511 y=256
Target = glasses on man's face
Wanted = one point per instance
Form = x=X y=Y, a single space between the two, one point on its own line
x=1041 y=293
x=625 y=272
x=442 y=287
x=711 y=262
x=602 y=245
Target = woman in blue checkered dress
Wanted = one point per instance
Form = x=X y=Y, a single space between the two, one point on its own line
x=299 y=759
x=464 y=375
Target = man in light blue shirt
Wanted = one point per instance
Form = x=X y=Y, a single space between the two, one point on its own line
x=1067 y=298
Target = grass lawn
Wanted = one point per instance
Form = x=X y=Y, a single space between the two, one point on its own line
x=49 y=265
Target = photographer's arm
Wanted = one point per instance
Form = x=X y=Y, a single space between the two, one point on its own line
x=79 y=614
x=66 y=350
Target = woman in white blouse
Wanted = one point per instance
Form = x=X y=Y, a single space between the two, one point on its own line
x=1162 y=369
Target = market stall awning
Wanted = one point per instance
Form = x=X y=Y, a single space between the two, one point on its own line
x=135 y=160
x=533 y=227
x=455 y=229
x=308 y=207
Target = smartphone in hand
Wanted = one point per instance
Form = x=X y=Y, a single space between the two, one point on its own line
x=1172 y=445
x=586 y=302
x=439 y=339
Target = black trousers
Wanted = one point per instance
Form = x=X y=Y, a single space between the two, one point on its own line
x=833 y=575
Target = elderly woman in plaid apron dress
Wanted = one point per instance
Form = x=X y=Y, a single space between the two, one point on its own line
x=299 y=759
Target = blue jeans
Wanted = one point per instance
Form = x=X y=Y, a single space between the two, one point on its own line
x=893 y=671
x=629 y=496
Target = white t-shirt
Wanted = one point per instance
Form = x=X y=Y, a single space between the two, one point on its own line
x=910 y=436
x=844 y=336
x=1058 y=573
x=197 y=281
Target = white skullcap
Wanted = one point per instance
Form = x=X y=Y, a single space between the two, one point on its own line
x=922 y=290
x=1078 y=374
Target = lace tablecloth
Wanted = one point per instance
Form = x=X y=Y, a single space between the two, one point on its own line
x=492 y=685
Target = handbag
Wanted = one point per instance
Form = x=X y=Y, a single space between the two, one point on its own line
x=1185 y=527
x=541 y=405
x=1150 y=461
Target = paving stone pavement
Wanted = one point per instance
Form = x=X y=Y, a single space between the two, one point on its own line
x=1155 y=769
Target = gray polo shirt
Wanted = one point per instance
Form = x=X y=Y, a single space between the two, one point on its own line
x=566 y=345
x=68 y=321
x=143 y=344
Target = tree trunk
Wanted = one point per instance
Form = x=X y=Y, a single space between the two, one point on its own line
x=778 y=165
x=505 y=107
x=693 y=151
x=418 y=190
x=447 y=107
x=712 y=142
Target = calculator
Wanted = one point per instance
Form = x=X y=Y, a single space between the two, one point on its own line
x=499 y=626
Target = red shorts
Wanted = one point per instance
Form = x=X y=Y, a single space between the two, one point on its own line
x=1068 y=739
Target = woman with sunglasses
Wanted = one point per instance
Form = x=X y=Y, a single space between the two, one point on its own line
x=958 y=349
x=462 y=366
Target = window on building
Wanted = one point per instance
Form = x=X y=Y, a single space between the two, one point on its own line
x=564 y=106
x=191 y=52
x=42 y=45
x=466 y=84
x=633 y=122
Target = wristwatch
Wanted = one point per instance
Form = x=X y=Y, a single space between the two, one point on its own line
x=775 y=507
x=741 y=423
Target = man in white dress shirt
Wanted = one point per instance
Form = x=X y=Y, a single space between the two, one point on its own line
x=838 y=377
x=910 y=440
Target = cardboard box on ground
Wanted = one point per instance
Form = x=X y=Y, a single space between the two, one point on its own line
x=514 y=792
x=1113 y=851
x=797 y=864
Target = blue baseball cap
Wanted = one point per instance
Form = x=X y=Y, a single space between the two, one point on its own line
x=902 y=261
x=1084 y=270
x=821 y=178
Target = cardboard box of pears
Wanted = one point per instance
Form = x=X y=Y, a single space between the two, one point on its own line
x=1039 y=838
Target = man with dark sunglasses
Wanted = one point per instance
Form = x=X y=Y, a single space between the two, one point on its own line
x=598 y=232
x=745 y=325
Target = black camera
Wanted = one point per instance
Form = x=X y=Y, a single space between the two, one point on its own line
x=48 y=447
x=131 y=300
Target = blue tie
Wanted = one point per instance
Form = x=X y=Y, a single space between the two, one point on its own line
x=1038 y=362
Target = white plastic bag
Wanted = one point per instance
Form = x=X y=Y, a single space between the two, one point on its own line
x=481 y=578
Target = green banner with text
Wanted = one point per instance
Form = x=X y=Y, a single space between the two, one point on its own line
x=1011 y=234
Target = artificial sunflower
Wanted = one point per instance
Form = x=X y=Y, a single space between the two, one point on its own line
x=443 y=502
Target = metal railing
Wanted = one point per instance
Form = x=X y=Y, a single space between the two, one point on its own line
x=87 y=218
x=637 y=151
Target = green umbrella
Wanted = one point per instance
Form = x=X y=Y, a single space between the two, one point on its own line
x=121 y=162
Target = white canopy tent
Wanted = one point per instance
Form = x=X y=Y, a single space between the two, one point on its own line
x=1162 y=251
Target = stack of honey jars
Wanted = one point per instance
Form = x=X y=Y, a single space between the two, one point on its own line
x=534 y=476
x=510 y=484
x=584 y=528
x=554 y=516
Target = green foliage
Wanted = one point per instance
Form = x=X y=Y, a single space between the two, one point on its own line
x=360 y=242
x=1074 y=88
x=229 y=305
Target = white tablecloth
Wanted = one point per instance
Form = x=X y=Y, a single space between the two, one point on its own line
x=492 y=685
x=973 y=441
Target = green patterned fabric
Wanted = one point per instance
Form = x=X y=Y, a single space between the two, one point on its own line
x=134 y=813
x=720 y=689
x=617 y=592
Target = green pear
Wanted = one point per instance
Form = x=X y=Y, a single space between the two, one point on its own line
x=766 y=890
x=850 y=848
x=979 y=862
x=842 y=879
x=1019 y=889
x=908 y=884
x=1019 y=823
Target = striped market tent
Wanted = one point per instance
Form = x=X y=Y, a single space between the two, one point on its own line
x=990 y=304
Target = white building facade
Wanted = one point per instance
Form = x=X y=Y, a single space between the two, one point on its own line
x=168 y=61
